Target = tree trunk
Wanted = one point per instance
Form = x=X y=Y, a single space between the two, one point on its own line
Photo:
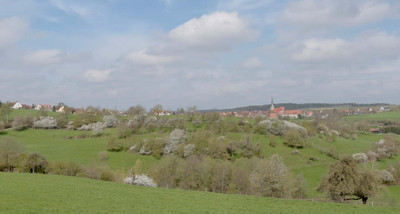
x=364 y=200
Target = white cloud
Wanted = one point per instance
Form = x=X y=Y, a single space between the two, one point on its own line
x=363 y=49
x=71 y=8
x=43 y=57
x=241 y=5
x=143 y=58
x=12 y=30
x=215 y=31
x=253 y=62
x=314 y=14
x=97 y=75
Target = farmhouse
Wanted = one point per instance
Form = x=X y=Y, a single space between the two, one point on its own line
x=60 y=109
x=16 y=105
x=46 y=107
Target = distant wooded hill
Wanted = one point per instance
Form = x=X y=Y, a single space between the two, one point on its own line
x=292 y=106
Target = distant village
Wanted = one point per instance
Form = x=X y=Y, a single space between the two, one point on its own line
x=273 y=112
x=280 y=112
x=61 y=107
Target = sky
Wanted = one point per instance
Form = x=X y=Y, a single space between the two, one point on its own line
x=209 y=53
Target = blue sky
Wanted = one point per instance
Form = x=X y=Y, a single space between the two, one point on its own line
x=211 y=54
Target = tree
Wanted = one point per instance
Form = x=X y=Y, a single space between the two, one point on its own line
x=240 y=178
x=5 y=111
x=180 y=111
x=36 y=163
x=136 y=110
x=166 y=171
x=276 y=180
x=10 y=154
x=2 y=126
x=191 y=112
x=137 y=168
x=221 y=176
x=344 y=180
x=299 y=187
x=157 y=109
x=367 y=186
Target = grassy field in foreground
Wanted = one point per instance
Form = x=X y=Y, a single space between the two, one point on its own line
x=55 y=146
x=33 y=193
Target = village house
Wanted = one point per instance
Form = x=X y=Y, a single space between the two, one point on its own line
x=163 y=113
x=292 y=113
x=16 y=105
x=46 y=107
x=60 y=109
x=308 y=114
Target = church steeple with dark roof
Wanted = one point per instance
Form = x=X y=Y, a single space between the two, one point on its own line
x=272 y=105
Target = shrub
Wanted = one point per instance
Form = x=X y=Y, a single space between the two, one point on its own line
x=36 y=163
x=293 y=138
x=106 y=175
x=272 y=141
x=156 y=146
x=62 y=121
x=97 y=128
x=65 y=168
x=200 y=139
x=22 y=122
x=102 y=156
x=386 y=177
x=114 y=145
x=360 y=157
x=176 y=137
x=45 y=123
x=123 y=131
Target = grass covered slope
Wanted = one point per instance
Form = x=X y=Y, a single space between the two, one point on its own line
x=34 y=193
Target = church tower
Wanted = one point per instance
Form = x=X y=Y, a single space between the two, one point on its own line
x=272 y=105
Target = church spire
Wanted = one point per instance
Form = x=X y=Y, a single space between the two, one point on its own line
x=272 y=104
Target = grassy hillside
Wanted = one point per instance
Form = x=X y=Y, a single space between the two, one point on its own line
x=390 y=115
x=32 y=193
x=55 y=145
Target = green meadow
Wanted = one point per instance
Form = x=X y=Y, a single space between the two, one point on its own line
x=50 y=193
x=35 y=193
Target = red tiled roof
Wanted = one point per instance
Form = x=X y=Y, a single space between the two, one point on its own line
x=273 y=115
x=292 y=112
x=278 y=109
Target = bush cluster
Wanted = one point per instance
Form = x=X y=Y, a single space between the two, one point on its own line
x=245 y=176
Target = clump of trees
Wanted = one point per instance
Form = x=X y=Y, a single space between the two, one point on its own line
x=346 y=182
x=244 y=176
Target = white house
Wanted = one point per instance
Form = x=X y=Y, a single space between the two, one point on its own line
x=16 y=105
x=60 y=109
x=38 y=107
